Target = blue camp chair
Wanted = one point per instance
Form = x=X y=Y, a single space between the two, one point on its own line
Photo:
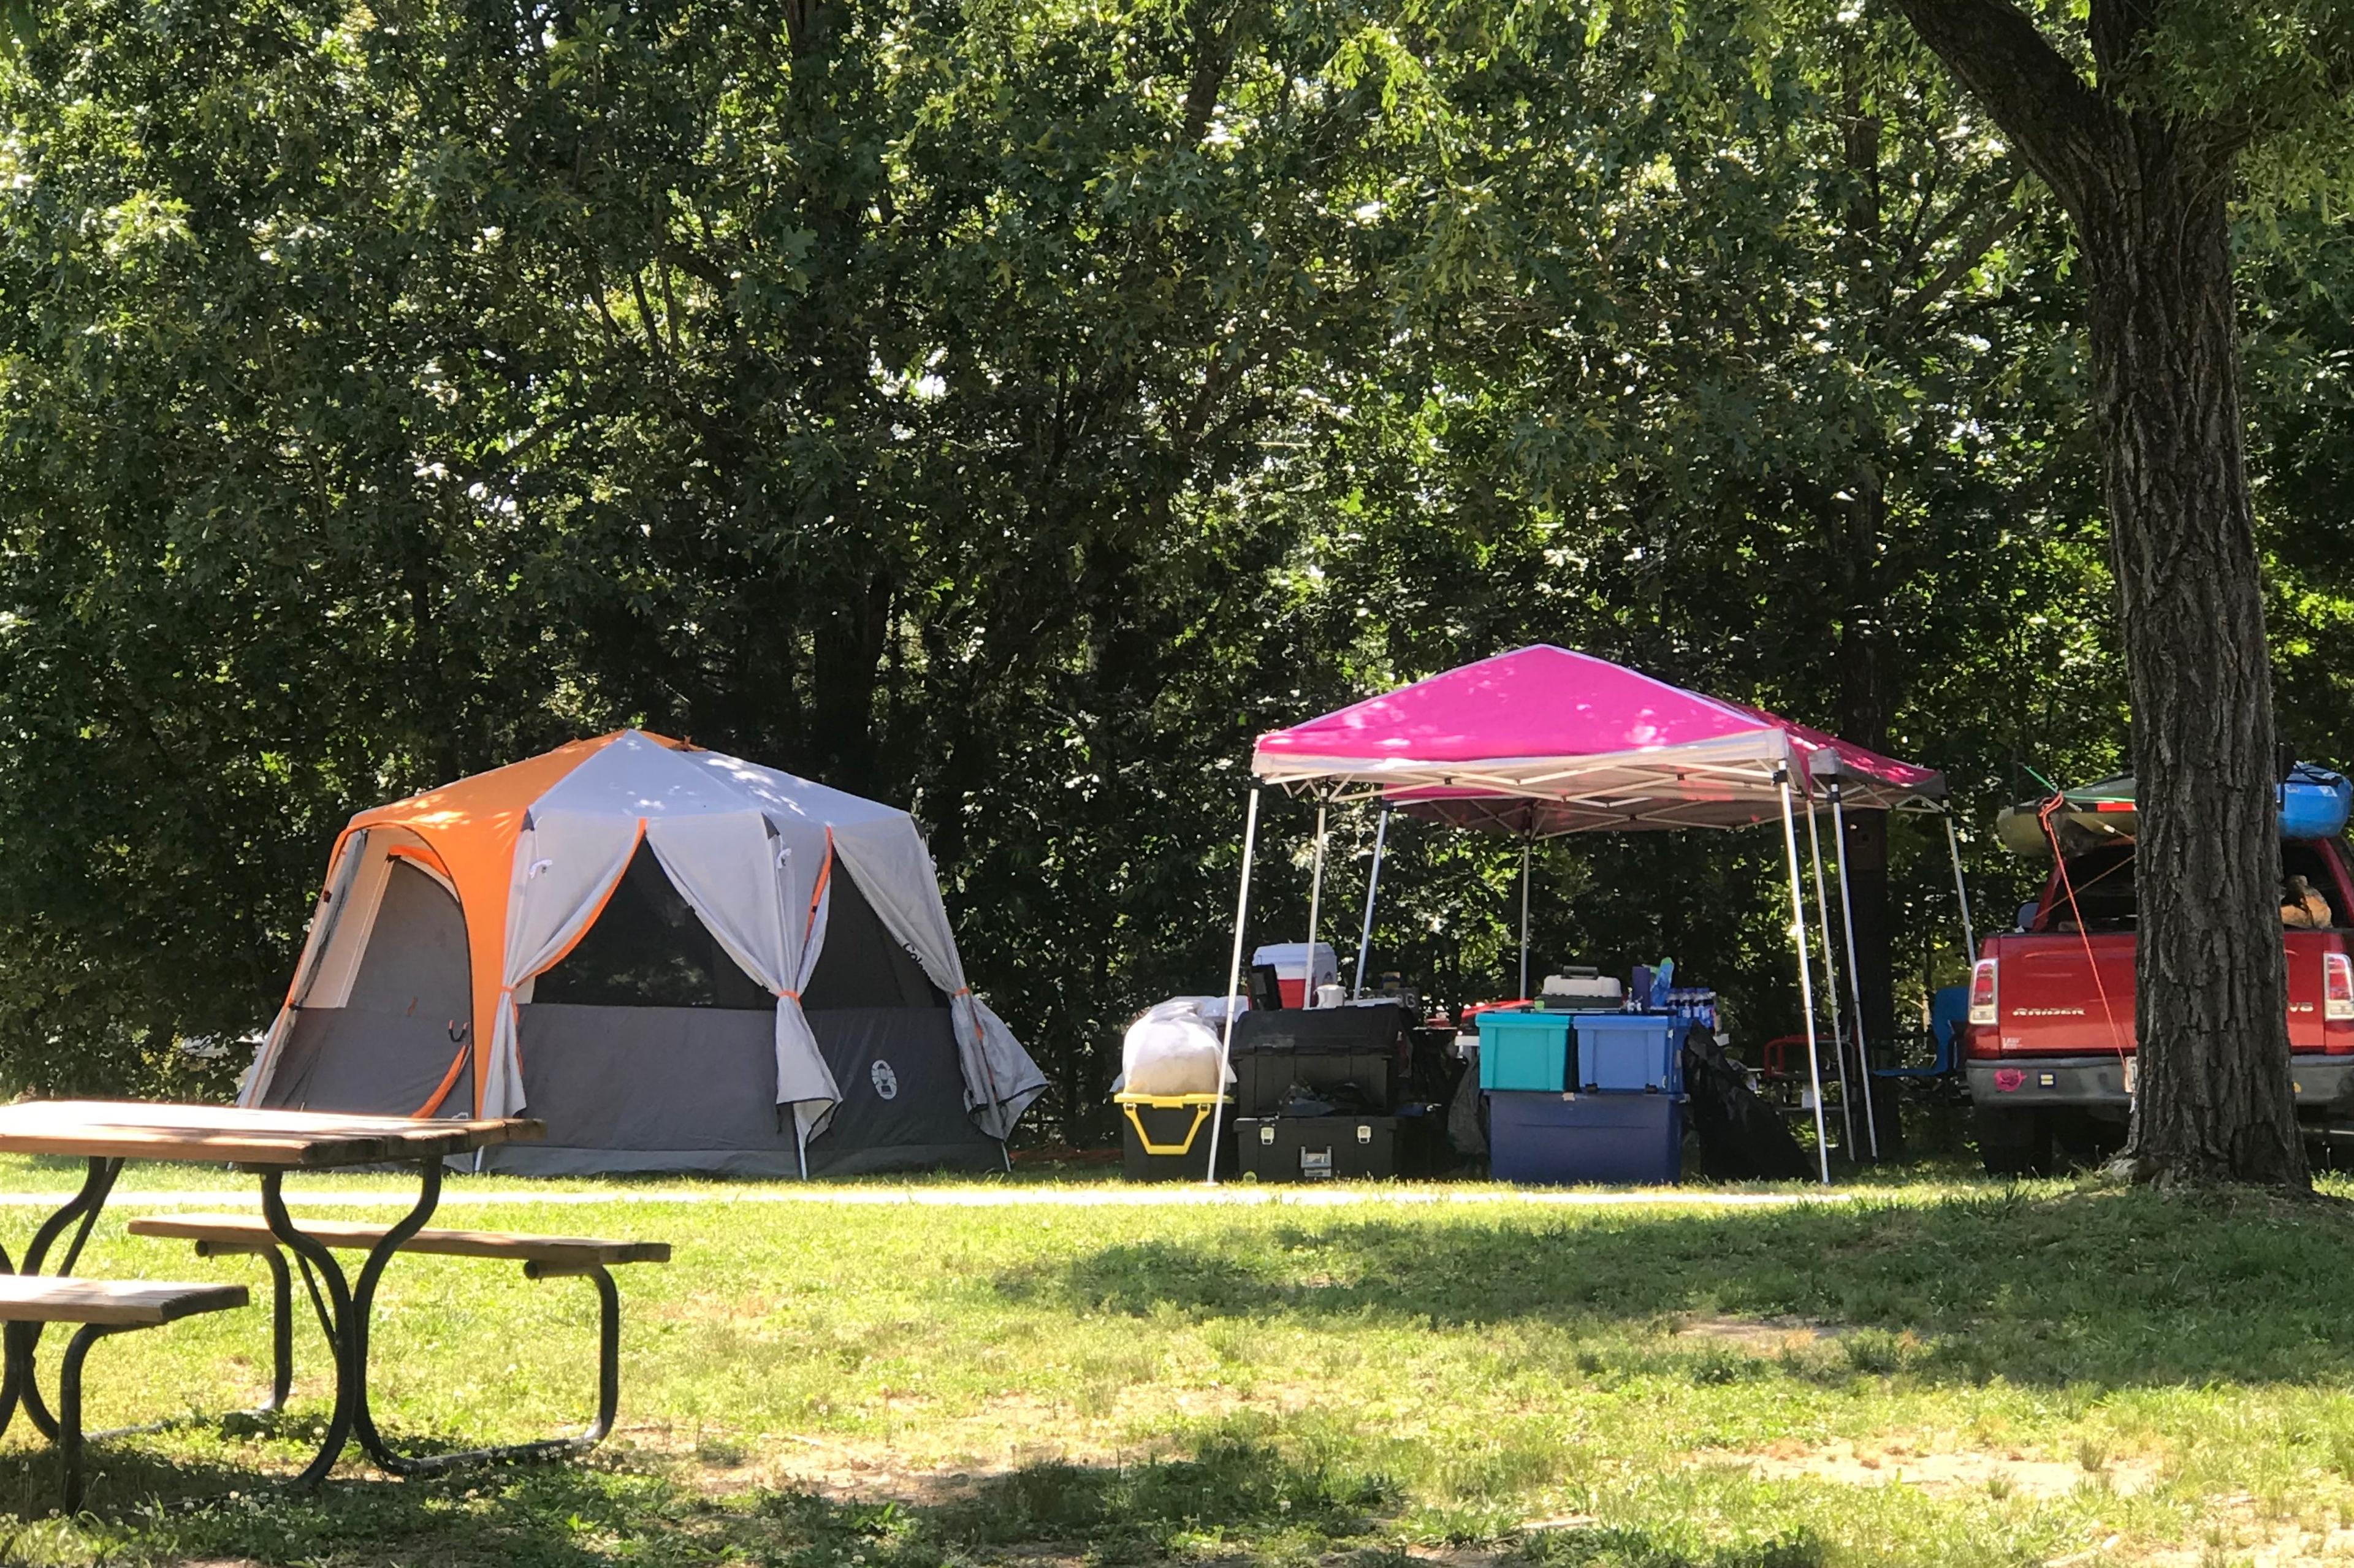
x=1949 y=1007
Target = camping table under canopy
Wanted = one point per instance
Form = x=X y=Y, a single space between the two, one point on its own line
x=1543 y=741
x=106 y=1133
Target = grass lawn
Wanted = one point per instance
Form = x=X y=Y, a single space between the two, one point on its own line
x=1940 y=1373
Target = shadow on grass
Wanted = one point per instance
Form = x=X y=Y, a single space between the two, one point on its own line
x=1239 y=1498
x=2106 y=1287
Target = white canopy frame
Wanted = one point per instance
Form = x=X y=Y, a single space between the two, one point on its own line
x=1733 y=781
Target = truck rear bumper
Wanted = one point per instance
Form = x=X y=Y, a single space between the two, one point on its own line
x=2322 y=1083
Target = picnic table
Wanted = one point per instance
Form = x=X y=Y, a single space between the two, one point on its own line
x=108 y=1133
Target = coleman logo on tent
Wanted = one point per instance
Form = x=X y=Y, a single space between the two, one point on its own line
x=886 y=1082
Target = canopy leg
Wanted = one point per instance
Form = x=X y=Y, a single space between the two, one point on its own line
x=1315 y=903
x=1806 y=974
x=1528 y=844
x=1854 y=978
x=1961 y=893
x=1832 y=990
x=1233 y=988
x=1372 y=885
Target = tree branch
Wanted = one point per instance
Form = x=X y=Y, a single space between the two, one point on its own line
x=2060 y=124
x=1910 y=309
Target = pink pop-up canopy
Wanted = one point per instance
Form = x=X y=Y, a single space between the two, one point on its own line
x=1544 y=740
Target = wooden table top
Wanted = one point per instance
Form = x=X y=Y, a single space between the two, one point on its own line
x=145 y=1130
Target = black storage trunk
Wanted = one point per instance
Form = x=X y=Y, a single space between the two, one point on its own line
x=1318 y=1049
x=1181 y=1131
x=1333 y=1148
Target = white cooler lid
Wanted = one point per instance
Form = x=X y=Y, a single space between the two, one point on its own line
x=1290 y=962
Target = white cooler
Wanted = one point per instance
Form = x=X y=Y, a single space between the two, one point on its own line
x=1291 y=961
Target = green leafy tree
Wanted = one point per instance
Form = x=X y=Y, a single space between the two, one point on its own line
x=2138 y=121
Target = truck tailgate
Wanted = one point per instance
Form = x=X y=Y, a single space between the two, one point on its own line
x=2063 y=994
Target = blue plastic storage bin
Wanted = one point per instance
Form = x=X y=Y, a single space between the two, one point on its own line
x=1524 y=1050
x=1630 y=1052
x=1560 y=1139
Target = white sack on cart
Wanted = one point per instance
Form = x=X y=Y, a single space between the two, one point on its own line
x=1172 y=1049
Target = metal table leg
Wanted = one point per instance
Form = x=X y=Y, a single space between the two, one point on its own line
x=69 y=1433
x=19 y=1386
x=346 y=1317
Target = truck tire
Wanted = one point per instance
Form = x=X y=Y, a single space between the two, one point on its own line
x=2014 y=1142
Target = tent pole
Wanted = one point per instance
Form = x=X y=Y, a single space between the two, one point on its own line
x=1805 y=973
x=1831 y=987
x=1854 y=976
x=1315 y=901
x=1372 y=885
x=1233 y=989
x=1961 y=893
x=1528 y=844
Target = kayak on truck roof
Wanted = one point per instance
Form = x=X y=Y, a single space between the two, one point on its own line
x=2314 y=804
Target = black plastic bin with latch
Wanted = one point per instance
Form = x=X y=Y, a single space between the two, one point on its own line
x=1319 y=1048
x=1334 y=1147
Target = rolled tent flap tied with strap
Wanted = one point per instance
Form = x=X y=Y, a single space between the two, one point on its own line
x=567 y=864
x=763 y=897
x=882 y=849
x=1543 y=741
x=533 y=851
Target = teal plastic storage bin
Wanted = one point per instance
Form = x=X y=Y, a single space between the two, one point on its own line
x=1522 y=1050
x=1628 y=1052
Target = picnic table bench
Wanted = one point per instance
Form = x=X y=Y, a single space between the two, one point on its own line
x=543 y=1257
x=102 y=1307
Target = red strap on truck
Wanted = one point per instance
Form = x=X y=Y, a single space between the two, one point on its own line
x=2060 y=861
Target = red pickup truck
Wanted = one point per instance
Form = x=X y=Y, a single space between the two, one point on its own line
x=2050 y=1041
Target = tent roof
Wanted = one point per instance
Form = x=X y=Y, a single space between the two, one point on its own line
x=1546 y=740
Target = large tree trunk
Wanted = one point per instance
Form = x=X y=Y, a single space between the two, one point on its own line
x=1867 y=704
x=2147 y=187
x=2209 y=986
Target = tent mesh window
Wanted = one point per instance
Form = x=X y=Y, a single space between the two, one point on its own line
x=648 y=949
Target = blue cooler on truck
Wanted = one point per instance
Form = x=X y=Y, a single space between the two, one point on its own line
x=1523 y=1050
x=1625 y=1053
x=1562 y=1139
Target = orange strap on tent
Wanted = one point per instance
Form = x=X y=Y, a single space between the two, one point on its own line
x=449 y=1081
x=817 y=894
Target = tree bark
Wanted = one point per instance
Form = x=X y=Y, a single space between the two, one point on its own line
x=2147 y=190
x=2209 y=986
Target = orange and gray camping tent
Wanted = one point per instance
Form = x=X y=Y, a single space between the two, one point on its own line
x=671 y=956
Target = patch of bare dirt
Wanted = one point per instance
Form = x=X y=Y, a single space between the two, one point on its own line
x=1948 y=1471
x=2235 y=1534
x=1760 y=1336
x=720 y=1464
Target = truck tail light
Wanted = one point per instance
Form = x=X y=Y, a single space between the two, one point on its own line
x=2337 y=987
x=1982 y=992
